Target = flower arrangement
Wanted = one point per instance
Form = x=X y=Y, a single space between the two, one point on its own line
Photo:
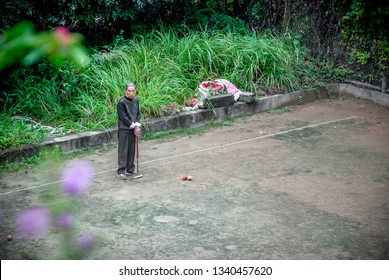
x=212 y=88
x=207 y=89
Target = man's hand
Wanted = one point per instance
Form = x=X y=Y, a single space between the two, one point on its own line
x=137 y=131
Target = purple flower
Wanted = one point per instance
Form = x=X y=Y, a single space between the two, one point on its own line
x=86 y=242
x=33 y=220
x=65 y=221
x=76 y=177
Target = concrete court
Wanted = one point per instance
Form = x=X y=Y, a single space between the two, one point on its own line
x=305 y=182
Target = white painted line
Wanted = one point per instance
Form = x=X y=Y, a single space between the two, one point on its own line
x=249 y=140
x=198 y=151
x=32 y=187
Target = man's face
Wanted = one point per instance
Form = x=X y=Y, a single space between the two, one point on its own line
x=130 y=92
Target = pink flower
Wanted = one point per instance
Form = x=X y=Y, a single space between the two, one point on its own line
x=65 y=221
x=217 y=87
x=33 y=221
x=76 y=177
x=86 y=242
x=63 y=35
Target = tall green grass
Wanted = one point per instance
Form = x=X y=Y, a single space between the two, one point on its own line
x=167 y=67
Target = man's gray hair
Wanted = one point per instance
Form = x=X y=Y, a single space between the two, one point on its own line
x=130 y=85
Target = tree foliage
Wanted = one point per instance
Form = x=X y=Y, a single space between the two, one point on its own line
x=97 y=20
x=328 y=28
x=366 y=30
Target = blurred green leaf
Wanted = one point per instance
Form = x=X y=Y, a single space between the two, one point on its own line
x=32 y=56
x=22 y=44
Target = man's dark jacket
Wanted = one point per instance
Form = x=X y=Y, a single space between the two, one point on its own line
x=128 y=113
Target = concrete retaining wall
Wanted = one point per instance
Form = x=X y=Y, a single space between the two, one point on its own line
x=372 y=95
x=195 y=118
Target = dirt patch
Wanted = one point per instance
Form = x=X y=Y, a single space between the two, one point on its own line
x=305 y=182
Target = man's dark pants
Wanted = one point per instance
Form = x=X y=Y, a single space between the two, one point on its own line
x=126 y=151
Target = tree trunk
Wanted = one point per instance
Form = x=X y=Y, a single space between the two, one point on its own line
x=383 y=88
x=286 y=16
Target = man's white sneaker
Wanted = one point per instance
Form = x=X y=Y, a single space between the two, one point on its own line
x=121 y=176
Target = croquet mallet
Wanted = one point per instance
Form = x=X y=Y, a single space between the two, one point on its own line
x=137 y=176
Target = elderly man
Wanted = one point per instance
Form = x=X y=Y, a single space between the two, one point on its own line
x=128 y=129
